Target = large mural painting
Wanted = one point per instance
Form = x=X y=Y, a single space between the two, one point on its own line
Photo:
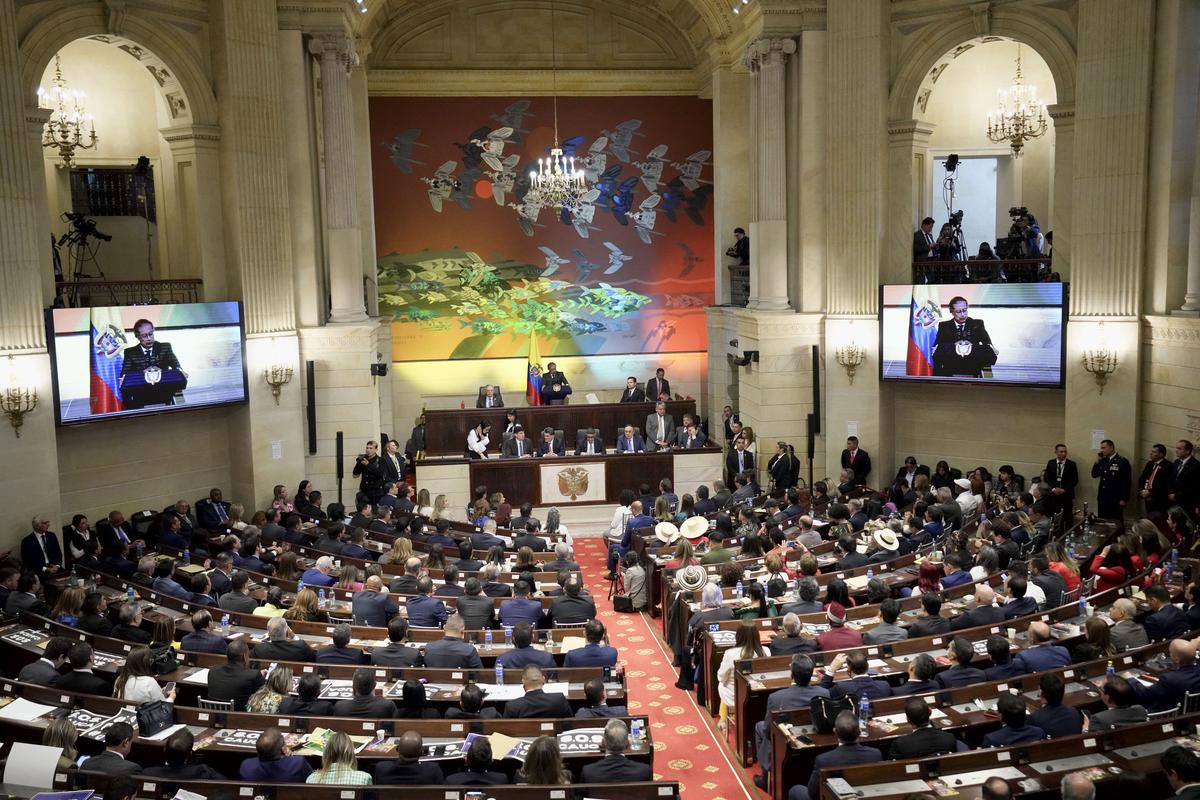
x=470 y=267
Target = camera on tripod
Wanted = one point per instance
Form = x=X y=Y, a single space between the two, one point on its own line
x=1013 y=245
x=84 y=227
x=956 y=219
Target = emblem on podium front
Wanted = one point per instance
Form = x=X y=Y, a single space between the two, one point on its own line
x=573 y=481
x=152 y=375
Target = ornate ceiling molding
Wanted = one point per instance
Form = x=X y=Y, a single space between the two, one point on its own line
x=502 y=82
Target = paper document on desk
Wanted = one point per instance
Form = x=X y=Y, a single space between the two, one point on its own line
x=164 y=733
x=23 y=710
x=570 y=643
x=498 y=692
x=557 y=688
x=858 y=583
x=592 y=399
x=199 y=677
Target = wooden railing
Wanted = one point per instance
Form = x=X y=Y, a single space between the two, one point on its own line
x=1018 y=270
x=86 y=294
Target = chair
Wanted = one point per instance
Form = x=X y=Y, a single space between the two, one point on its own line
x=570 y=625
x=1071 y=596
x=1020 y=481
x=1168 y=713
x=499 y=395
x=637 y=431
x=336 y=620
x=1088 y=586
x=214 y=705
x=1191 y=702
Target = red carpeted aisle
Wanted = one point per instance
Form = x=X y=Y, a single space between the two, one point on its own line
x=687 y=746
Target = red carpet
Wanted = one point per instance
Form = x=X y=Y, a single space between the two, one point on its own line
x=688 y=747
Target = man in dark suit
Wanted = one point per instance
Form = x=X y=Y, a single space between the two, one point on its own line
x=1063 y=476
x=282 y=644
x=571 y=608
x=963 y=346
x=523 y=652
x=396 y=653
x=81 y=678
x=46 y=670
x=1015 y=729
x=407 y=583
x=1154 y=484
x=1114 y=475
x=117 y=561
x=1019 y=603
x=274 y=762
x=518 y=446
x=1185 y=478
x=590 y=444
x=364 y=703
x=40 y=550
x=615 y=767
x=595 y=653
x=479 y=770
x=529 y=537
x=340 y=652
x=1168 y=691
x=632 y=393
x=25 y=596
x=492 y=585
x=933 y=622
x=925 y=740
x=1042 y=654
x=234 y=680
x=238 y=600
x=475 y=609
x=910 y=471
x=550 y=446
x=408 y=769
x=521 y=607
x=176 y=752
x=690 y=437
x=392 y=462
x=739 y=460
x=1055 y=718
x=114 y=529
x=489 y=397
x=1166 y=620
x=118 y=741
x=848 y=751
x=372 y=606
x=859 y=683
x=145 y=355
x=781 y=467
x=425 y=610
x=451 y=652
x=923 y=241
x=630 y=441
x=213 y=512
x=201 y=639
x=129 y=625
x=985 y=611
x=536 y=703
x=1182 y=768
x=658 y=387
x=798 y=695
x=962 y=673
x=856 y=459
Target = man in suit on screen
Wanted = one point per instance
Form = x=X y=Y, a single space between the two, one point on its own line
x=963 y=346
x=144 y=357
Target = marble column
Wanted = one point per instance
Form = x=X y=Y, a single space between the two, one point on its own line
x=731 y=178
x=341 y=200
x=29 y=481
x=1191 y=300
x=810 y=173
x=768 y=233
x=1063 y=117
x=195 y=247
x=908 y=166
x=364 y=181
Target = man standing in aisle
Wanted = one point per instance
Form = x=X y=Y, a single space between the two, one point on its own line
x=857 y=459
x=1155 y=481
x=1062 y=474
x=368 y=468
x=1114 y=474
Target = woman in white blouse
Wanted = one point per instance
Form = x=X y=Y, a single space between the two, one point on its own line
x=136 y=682
x=477 y=440
x=746 y=644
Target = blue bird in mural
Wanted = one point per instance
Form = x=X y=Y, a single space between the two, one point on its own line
x=616 y=259
x=584 y=266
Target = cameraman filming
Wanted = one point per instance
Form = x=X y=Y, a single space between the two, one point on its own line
x=368 y=468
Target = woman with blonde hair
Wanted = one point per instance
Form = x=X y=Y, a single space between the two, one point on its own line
x=339 y=765
x=684 y=556
x=283 y=500
x=401 y=551
x=350 y=578
x=751 y=442
x=441 y=509
x=61 y=732
x=543 y=764
x=267 y=698
x=69 y=606
x=662 y=509
x=525 y=560
x=136 y=682
x=746 y=644
x=236 y=512
x=424 y=504
x=1064 y=564
x=305 y=609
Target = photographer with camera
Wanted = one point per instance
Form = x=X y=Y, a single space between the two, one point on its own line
x=369 y=470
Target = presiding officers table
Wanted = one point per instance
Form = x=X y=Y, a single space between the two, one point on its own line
x=446 y=429
x=570 y=480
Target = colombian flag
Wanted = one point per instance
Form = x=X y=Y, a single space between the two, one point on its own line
x=108 y=342
x=924 y=316
x=533 y=385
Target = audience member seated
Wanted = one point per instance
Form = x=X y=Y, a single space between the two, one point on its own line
x=364 y=703
x=932 y=623
x=424 y=610
x=94 y=616
x=1168 y=691
x=791 y=642
x=81 y=678
x=838 y=636
x=201 y=639
x=407 y=769
x=1003 y=664
x=521 y=608
x=887 y=631
x=594 y=653
x=282 y=644
x=848 y=751
x=924 y=740
x=1166 y=620
x=274 y=762
x=1122 y=708
x=339 y=766
x=1053 y=717
x=798 y=695
x=1042 y=653
x=615 y=767
x=571 y=608
x=1015 y=729
x=1126 y=634
x=491 y=585
x=985 y=612
x=859 y=682
x=595 y=702
x=414 y=703
x=319 y=575
x=1018 y=604
x=536 y=702
x=478 y=770
x=523 y=653
x=808 y=603
x=238 y=600
x=451 y=652
x=135 y=682
x=177 y=753
x=305 y=702
x=922 y=676
x=962 y=673
x=202 y=591
x=470 y=705
x=234 y=681
x=269 y=696
x=46 y=671
x=340 y=651
x=118 y=741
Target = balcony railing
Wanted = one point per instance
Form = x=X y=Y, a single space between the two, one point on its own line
x=739 y=286
x=1019 y=270
x=87 y=294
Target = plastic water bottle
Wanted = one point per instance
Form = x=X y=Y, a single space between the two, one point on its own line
x=141 y=548
x=1083 y=605
x=499 y=673
x=635 y=733
x=1109 y=670
x=507 y=636
x=187 y=556
x=321 y=599
x=487 y=637
x=870 y=573
x=737 y=590
x=131 y=594
x=864 y=711
x=225 y=621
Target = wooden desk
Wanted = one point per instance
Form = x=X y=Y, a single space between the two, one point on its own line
x=446 y=430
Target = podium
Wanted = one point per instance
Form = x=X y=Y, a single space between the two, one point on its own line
x=152 y=386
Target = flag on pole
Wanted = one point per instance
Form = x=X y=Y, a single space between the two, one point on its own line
x=924 y=316
x=533 y=385
x=108 y=341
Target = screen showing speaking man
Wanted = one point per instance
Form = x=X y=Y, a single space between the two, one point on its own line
x=117 y=361
x=985 y=333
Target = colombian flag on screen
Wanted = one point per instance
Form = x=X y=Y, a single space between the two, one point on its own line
x=108 y=353
x=924 y=316
x=533 y=386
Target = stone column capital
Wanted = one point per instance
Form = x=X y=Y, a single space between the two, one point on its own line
x=333 y=47
x=768 y=51
x=1062 y=113
x=36 y=116
x=915 y=130
x=362 y=50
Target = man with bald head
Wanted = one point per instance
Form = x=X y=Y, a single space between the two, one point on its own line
x=536 y=702
x=407 y=769
x=1077 y=786
x=985 y=612
x=1168 y=691
x=1126 y=634
x=1042 y=653
x=372 y=606
x=407 y=583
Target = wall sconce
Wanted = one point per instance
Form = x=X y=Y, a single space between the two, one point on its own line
x=16 y=403
x=1101 y=362
x=851 y=357
x=277 y=376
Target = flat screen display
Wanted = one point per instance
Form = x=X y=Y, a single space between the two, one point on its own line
x=999 y=334
x=123 y=361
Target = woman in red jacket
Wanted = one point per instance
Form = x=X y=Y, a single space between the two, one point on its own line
x=1112 y=567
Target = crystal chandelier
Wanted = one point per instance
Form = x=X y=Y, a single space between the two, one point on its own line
x=1019 y=115
x=556 y=183
x=65 y=128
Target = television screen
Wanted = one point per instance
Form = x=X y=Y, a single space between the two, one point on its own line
x=123 y=361
x=995 y=333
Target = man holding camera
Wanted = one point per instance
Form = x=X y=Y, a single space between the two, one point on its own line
x=369 y=470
